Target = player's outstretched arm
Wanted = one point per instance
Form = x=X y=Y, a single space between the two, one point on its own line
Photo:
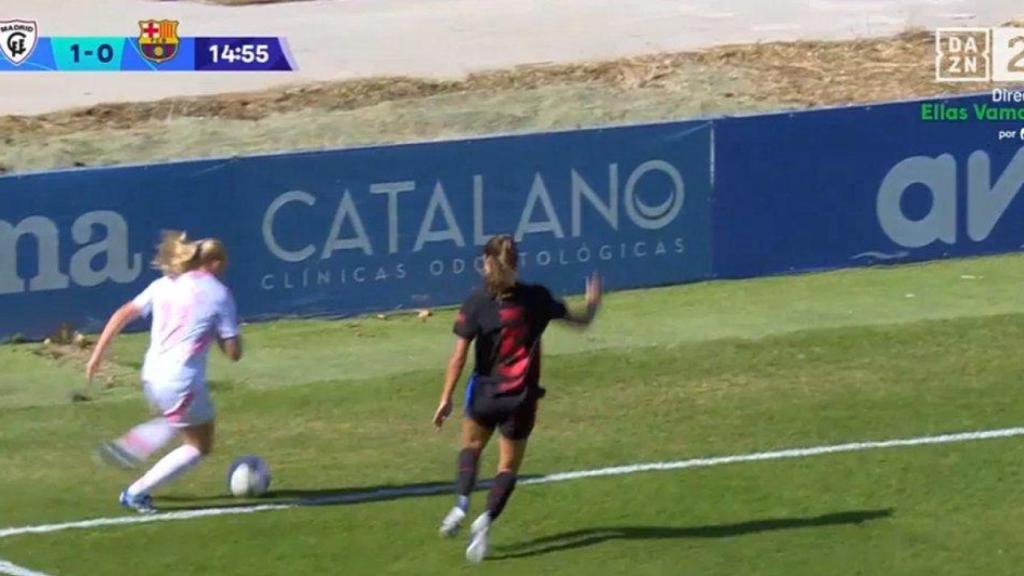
x=451 y=379
x=125 y=315
x=582 y=319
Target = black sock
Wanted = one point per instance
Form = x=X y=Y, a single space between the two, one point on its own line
x=466 y=476
x=501 y=491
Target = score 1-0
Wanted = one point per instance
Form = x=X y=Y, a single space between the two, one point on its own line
x=87 y=54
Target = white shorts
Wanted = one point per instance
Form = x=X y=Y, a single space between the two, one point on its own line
x=182 y=405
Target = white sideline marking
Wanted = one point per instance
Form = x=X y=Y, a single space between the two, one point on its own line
x=140 y=519
x=558 y=477
x=15 y=570
x=778 y=455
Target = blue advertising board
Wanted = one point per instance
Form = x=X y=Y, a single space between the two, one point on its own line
x=354 y=231
x=861 y=185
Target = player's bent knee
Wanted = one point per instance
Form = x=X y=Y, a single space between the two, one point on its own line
x=200 y=438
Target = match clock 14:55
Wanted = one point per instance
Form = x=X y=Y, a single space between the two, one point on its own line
x=241 y=54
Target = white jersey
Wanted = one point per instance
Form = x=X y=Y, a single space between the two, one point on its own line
x=189 y=312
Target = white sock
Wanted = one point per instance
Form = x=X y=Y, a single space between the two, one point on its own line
x=169 y=467
x=462 y=502
x=146 y=438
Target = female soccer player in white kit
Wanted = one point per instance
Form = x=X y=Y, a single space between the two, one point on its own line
x=191 y=308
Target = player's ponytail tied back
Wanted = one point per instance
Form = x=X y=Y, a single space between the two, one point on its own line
x=501 y=262
x=211 y=250
x=175 y=255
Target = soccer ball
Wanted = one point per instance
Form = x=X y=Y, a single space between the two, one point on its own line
x=248 y=476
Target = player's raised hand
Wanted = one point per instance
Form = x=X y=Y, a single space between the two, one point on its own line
x=594 y=291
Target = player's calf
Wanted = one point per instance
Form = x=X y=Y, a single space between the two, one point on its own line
x=501 y=491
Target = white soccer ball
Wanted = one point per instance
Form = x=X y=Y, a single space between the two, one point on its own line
x=248 y=476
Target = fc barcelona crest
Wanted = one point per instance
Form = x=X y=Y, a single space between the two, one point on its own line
x=158 y=40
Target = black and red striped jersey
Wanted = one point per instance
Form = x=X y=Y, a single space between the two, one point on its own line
x=507 y=334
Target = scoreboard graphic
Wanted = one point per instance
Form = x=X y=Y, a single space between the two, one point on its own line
x=155 y=47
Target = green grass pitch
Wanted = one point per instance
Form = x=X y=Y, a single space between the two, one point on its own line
x=710 y=369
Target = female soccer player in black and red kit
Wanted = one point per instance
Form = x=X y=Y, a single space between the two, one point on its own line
x=507 y=320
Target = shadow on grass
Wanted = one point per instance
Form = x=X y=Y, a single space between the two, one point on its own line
x=594 y=536
x=318 y=497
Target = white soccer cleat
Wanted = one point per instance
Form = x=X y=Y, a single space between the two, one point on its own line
x=477 y=549
x=452 y=522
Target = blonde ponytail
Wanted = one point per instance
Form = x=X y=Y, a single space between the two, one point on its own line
x=502 y=259
x=175 y=255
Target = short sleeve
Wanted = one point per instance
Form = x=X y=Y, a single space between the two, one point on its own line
x=553 y=307
x=144 y=301
x=227 y=318
x=467 y=325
